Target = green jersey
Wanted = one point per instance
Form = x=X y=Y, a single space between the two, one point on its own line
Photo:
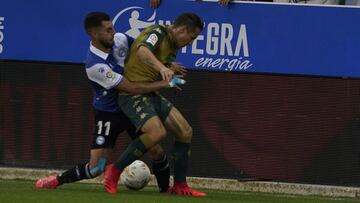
x=157 y=39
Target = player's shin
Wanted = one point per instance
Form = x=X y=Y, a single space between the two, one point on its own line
x=79 y=172
x=181 y=153
x=161 y=171
x=133 y=152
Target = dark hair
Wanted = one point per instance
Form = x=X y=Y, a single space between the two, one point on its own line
x=190 y=20
x=94 y=19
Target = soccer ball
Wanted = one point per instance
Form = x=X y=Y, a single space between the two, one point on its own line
x=136 y=176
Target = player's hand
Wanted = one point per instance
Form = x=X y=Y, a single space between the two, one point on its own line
x=167 y=74
x=178 y=69
x=176 y=81
x=154 y=3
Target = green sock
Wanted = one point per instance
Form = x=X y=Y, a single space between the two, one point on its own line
x=133 y=152
x=181 y=154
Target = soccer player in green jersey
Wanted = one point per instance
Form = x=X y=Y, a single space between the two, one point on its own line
x=151 y=59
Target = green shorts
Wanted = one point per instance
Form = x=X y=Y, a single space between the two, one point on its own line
x=140 y=108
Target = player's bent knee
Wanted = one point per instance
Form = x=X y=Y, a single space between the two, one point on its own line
x=153 y=137
x=158 y=134
x=154 y=129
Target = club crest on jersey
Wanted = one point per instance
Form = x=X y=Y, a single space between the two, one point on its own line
x=100 y=140
x=121 y=51
x=152 y=39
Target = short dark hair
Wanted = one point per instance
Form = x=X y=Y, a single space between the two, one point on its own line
x=94 y=19
x=190 y=20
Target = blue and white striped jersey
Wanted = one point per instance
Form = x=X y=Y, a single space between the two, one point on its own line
x=105 y=72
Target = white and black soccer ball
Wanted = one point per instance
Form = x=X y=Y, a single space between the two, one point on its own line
x=136 y=176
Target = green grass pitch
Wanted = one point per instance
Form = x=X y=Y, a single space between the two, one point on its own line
x=21 y=191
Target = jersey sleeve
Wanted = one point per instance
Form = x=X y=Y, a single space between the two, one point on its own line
x=153 y=38
x=121 y=40
x=103 y=75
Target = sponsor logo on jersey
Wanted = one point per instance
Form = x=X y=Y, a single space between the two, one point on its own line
x=110 y=75
x=101 y=70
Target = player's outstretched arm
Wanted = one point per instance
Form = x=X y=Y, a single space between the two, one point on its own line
x=103 y=75
x=140 y=88
x=135 y=88
x=147 y=57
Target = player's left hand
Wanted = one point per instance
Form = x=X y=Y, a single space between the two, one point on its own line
x=166 y=74
x=178 y=69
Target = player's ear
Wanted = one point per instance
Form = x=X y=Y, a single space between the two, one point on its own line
x=91 y=32
x=96 y=31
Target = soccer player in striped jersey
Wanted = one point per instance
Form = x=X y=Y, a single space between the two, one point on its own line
x=104 y=67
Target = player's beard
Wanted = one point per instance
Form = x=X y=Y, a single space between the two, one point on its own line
x=107 y=44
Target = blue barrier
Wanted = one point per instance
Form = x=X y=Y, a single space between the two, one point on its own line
x=263 y=38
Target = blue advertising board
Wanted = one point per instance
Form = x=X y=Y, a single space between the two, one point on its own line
x=245 y=37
